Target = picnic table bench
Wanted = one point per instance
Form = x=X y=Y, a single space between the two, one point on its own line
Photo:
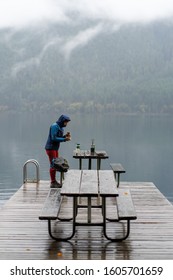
x=118 y=169
x=51 y=208
x=125 y=211
x=89 y=184
x=51 y=205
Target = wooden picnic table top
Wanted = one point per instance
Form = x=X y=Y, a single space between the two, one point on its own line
x=89 y=183
x=87 y=154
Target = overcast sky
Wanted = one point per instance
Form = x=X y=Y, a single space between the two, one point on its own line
x=25 y=13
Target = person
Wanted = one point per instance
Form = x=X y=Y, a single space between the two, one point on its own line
x=55 y=137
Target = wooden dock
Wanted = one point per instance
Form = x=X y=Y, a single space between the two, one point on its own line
x=24 y=236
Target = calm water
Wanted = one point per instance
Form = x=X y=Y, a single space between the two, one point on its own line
x=142 y=144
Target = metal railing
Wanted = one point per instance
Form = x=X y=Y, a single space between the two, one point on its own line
x=35 y=180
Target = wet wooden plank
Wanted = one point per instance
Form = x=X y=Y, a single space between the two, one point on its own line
x=117 y=168
x=51 y=205
x=24 y=236
x=74 y=181
x=107 y=184
x=89 y=183
x=125 y=206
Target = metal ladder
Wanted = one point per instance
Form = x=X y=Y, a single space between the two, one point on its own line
x=25 y=179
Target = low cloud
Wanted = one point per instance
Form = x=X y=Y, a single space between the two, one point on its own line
x=81 y=39
x=66 y=47
x=103 y=16
x=25 y=13
x=34 y=61
x=19 y=14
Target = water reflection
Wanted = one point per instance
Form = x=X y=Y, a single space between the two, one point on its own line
x=89 y=249
x=142 y=144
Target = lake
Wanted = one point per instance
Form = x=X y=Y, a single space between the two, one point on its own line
x=143 y=144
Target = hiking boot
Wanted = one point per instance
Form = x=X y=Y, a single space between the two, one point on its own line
x=55 y=184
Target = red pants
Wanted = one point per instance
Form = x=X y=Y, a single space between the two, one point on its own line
x=52 y=154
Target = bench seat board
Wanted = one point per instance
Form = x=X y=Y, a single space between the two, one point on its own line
x=51 y=206
x=117 y=168
x=125 y=207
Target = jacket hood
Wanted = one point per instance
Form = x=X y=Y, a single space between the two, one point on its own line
x=62 y=119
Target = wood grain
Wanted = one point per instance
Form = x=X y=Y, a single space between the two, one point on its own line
x=24 y=236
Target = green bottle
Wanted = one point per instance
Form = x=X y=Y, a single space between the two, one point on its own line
x=92 y=150
x=77 y=149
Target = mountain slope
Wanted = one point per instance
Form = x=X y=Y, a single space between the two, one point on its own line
x=129 y=70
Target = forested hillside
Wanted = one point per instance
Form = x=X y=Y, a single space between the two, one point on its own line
x=127 y=71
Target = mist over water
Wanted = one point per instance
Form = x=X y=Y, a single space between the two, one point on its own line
x=143 y=144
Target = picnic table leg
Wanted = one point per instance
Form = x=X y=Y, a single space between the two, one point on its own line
x=61 y=177
x=89 y=164
x=89 y=210
x=104 y=225
x=80 y=164
x=118 y=180
x=73 y=226
x=98 y=163
x=80 y=168
x=117 y=177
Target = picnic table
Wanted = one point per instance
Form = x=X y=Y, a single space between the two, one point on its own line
x=89 y=184
x=86 y=154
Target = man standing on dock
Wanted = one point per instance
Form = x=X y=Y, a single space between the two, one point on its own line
x=55 y=137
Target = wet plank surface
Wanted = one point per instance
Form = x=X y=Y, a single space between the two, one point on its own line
x=24 y=236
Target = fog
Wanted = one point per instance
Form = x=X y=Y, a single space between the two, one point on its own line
x=129 y=71
x=25 y=13
x=104 y=16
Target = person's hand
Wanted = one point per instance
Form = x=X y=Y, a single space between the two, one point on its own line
x=68 y=136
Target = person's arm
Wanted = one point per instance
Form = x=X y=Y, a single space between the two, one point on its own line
x=54 y=132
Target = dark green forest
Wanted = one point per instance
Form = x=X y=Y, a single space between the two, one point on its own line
x=128 y=71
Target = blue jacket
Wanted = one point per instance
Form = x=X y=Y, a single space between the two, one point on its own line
x=56 y=133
